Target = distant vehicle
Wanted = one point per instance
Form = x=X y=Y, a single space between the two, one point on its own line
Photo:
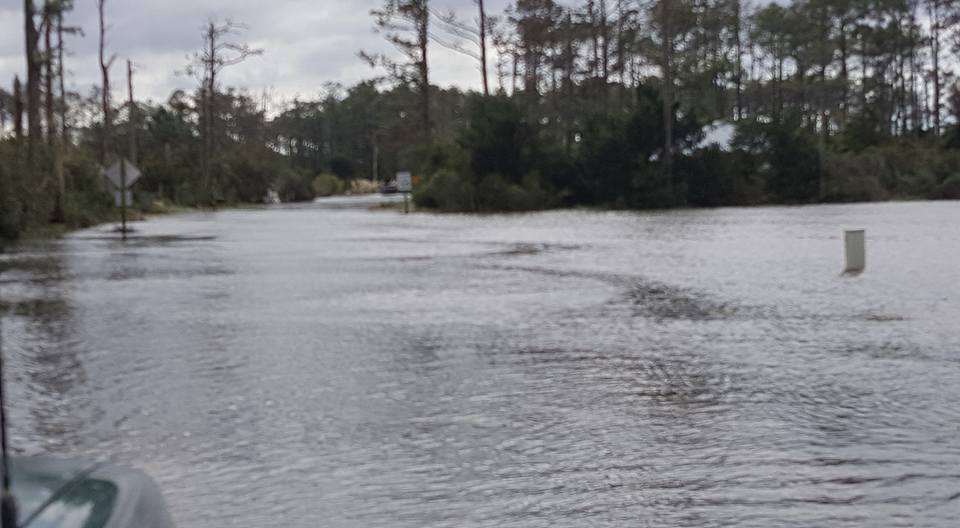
x=72 y=493
x=390 y=187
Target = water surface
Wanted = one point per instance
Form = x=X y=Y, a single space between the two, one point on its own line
x=326 y=365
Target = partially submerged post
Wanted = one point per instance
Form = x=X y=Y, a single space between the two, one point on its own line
x=856 y=251
x=405 y=187
x=123 y=199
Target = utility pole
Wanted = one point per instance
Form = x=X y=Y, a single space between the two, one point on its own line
x=132 y=117
x=132 y=152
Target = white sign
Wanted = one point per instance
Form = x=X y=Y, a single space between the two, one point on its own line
x=404 y=182
x=116 y=177
x=117 y=199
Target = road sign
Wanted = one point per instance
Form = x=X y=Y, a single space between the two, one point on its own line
x=116 y=176
x=404 y=182
x=118 y=199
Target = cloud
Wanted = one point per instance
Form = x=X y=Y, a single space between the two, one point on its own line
x=307 y=43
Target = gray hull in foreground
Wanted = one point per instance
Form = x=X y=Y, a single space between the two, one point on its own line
x=74 y=493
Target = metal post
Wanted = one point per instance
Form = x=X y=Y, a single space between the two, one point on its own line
x=406 y=205
x=123 y=198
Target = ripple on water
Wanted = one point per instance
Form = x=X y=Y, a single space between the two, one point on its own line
x=334 y=365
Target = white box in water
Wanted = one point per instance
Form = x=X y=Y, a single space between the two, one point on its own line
x=856 y=243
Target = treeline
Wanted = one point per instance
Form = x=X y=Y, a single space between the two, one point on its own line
x=594 y=102
x=604 y=102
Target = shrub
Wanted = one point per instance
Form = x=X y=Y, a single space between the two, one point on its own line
x=364 y=187
x=10 y=209
x=849 y=177
x=327 y=185
x=950 y=188
x=446 y=191
x=496 y=193
x=294 y=186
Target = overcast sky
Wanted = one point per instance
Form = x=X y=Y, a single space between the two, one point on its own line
x=307 y=43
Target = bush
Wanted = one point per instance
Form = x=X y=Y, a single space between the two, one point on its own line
x=786 y=157
x=327 y=185
x=849 y=177
x=252 y=174
x=950 y=188
x=88 y=202
x=446 y=191
x=11 y=221
x=364 y=187
x=294 y=186
x=496 y=193
x=718 y=178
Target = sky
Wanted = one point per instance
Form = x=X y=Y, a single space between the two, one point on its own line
x=307 y=43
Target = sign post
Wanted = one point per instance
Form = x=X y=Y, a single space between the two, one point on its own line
x=123 y=174
x=405 y=187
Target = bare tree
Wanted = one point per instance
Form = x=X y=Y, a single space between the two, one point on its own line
x=406 y=25
x=469 y=40
x=17 y=109
x=105 y=65
x=48 y=75
x=219 y=51
x=936 y=12
x=51 y=11
x=666 y=67
x=132 y=115
x=62 y=7
x=34 y=63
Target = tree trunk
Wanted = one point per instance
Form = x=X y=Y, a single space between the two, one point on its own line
x=569 y=63
x=131 y=117
x=17 y=109
x=738 y=115
x=604 y=48
x=667 y=67
x=935 y=58
x=621 y=64
x=64 y=126
x=483 y=49
x=49 y=115
x=208 y=96
x=106 y=138
x=52 y=127
x=844 y=74
x=423 y=39
x=594 y=37
x=34 y=131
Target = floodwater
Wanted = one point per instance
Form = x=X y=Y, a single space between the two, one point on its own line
x=328 y=365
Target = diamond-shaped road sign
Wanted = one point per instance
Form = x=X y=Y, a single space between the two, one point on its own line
x=113 y=174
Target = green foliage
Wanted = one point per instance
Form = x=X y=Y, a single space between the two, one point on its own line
x=863 y=130
x=499 y=140
x=446 y=191
x=294 y=186
x=852 y=177
x=11 y=221
x=950 y=188
x=787 y=157
x=252 y=174
x=718 y=178
x=328 y=185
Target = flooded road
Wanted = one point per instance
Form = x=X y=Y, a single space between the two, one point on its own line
x=326 y=365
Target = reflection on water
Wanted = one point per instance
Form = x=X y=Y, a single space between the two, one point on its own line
x=693 y=368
